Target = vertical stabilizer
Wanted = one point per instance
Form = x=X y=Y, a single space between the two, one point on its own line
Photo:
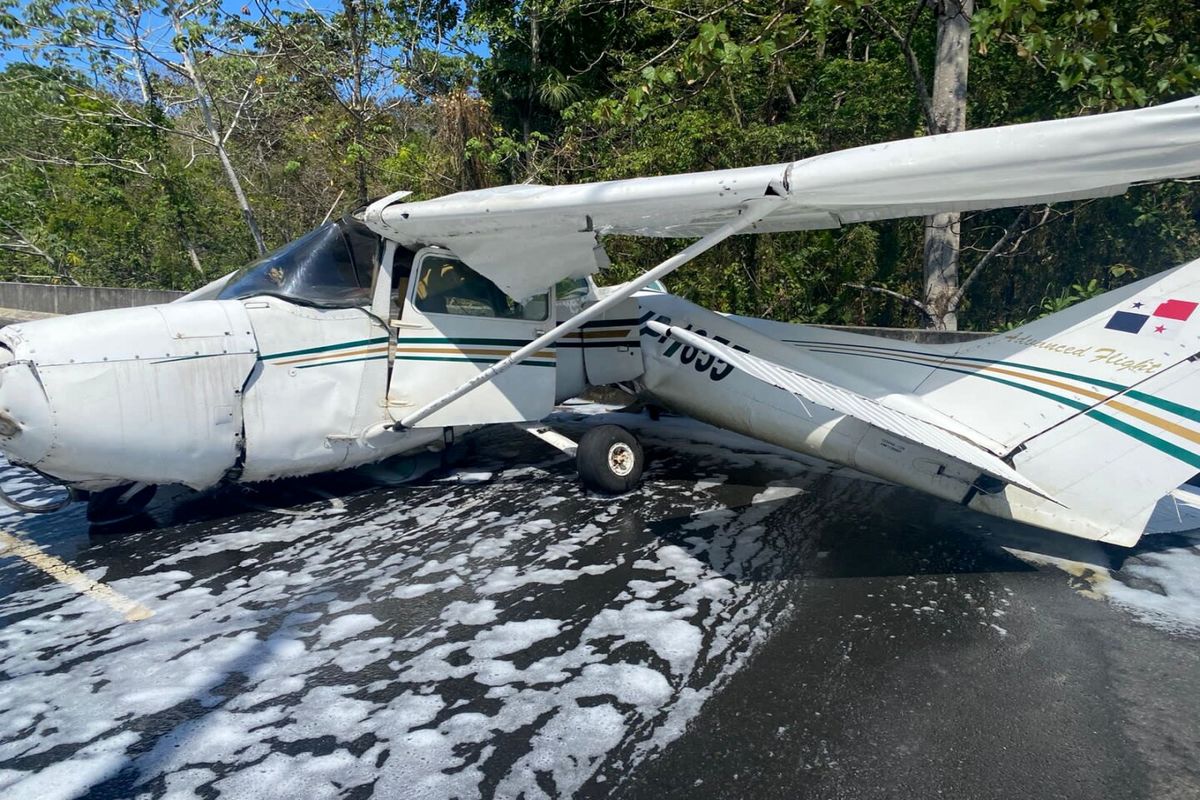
x=1099 y=404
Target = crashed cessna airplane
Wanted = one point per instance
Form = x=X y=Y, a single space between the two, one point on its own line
x=399 y=327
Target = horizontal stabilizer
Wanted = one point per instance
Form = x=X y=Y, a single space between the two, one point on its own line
x=855 y=405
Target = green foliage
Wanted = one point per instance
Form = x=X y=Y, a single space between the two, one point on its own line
x=1103 y=54
x=102 y=185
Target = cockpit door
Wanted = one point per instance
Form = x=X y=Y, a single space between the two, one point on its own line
x=454 y=324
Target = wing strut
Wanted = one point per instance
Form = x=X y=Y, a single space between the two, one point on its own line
x=752 y=212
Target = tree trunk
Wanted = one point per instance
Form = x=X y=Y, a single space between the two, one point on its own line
x=218 y=141
x=356 y=24
x=535 y=65
x=949 y=106
x=150 y=102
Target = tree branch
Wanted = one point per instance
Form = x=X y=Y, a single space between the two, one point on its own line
x=912 y=301
x=914 y=66
x=1008 y=243
x=22 y=244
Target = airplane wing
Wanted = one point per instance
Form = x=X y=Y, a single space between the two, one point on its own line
x=857 y=406
x=527 y=237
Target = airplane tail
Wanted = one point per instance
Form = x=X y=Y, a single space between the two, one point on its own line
x=1080 y=422
x=1097 y=405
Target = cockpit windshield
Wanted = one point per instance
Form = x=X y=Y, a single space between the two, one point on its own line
x=329 y=266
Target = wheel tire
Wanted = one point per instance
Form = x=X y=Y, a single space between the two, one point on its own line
x=105 y=507
x=610 y=460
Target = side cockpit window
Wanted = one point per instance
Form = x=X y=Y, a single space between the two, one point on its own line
x=448 y=286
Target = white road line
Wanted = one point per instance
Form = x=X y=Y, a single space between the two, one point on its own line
x=65 y=573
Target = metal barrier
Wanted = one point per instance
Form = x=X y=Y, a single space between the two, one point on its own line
x=51 y=299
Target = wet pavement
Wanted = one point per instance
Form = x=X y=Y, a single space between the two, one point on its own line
x=745 y=625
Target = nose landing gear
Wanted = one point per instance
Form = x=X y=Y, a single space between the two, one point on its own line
x=119 y=503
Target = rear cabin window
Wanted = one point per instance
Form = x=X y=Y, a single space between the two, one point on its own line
x=448 y=286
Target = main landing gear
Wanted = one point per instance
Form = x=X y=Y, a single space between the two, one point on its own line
x=609 y=458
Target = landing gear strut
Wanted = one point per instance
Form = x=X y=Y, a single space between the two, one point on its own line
x=119 y=503
x=609 y=458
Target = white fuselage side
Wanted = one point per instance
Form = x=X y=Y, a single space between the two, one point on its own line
x=261 y=388
x=699 y=385
x=195 y=393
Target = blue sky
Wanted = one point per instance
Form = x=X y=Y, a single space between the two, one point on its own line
x=158 y=23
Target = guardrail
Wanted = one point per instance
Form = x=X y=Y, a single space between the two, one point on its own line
x=51 y=299
x=40 y=298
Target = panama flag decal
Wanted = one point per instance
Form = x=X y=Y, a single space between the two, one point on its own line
x=1162 y=320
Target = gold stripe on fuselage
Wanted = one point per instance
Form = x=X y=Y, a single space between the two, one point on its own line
x=338 y=354
x=1104 y=399
x=451 y=350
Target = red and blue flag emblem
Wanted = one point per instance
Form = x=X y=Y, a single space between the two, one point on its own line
x=1163 y=322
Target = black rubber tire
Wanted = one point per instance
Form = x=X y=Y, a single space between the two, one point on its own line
x=596 y=460
x=105 y=507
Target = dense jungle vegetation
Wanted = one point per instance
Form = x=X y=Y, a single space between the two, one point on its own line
x=163 y=144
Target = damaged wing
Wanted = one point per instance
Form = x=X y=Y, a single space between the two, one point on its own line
x=527 y=237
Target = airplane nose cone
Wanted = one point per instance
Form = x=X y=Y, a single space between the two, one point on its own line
x=26 y=428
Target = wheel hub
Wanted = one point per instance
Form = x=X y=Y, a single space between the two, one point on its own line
x=621 y=459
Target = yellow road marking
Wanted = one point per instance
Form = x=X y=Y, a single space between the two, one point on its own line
x=64 y=573
x=1090 y=580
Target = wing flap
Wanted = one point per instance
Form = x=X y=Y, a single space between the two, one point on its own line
x=857 y=406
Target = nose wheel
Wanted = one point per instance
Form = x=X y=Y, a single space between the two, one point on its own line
x=610 y=460
x=119 y=503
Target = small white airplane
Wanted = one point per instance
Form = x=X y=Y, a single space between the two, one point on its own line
x=402 y=326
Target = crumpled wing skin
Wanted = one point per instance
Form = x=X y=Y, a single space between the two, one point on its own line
x=857 y=406
x=978 y=169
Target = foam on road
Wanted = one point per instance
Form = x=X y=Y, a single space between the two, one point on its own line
x=493 y=632
x=502 y=637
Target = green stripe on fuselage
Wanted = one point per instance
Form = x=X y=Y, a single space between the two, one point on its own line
x=331 y=348
x=1117 y=387
x=1162 y=445
x=1166 y=405
x=328 y=348
x=464 y=340
x=1186 y=456
x=342 y=361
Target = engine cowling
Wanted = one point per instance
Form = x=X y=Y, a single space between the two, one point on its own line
x=149 y=394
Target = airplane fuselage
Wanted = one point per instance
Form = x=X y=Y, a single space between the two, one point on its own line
x=255 y=389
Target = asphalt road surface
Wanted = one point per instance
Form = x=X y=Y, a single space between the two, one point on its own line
x=744 y=625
